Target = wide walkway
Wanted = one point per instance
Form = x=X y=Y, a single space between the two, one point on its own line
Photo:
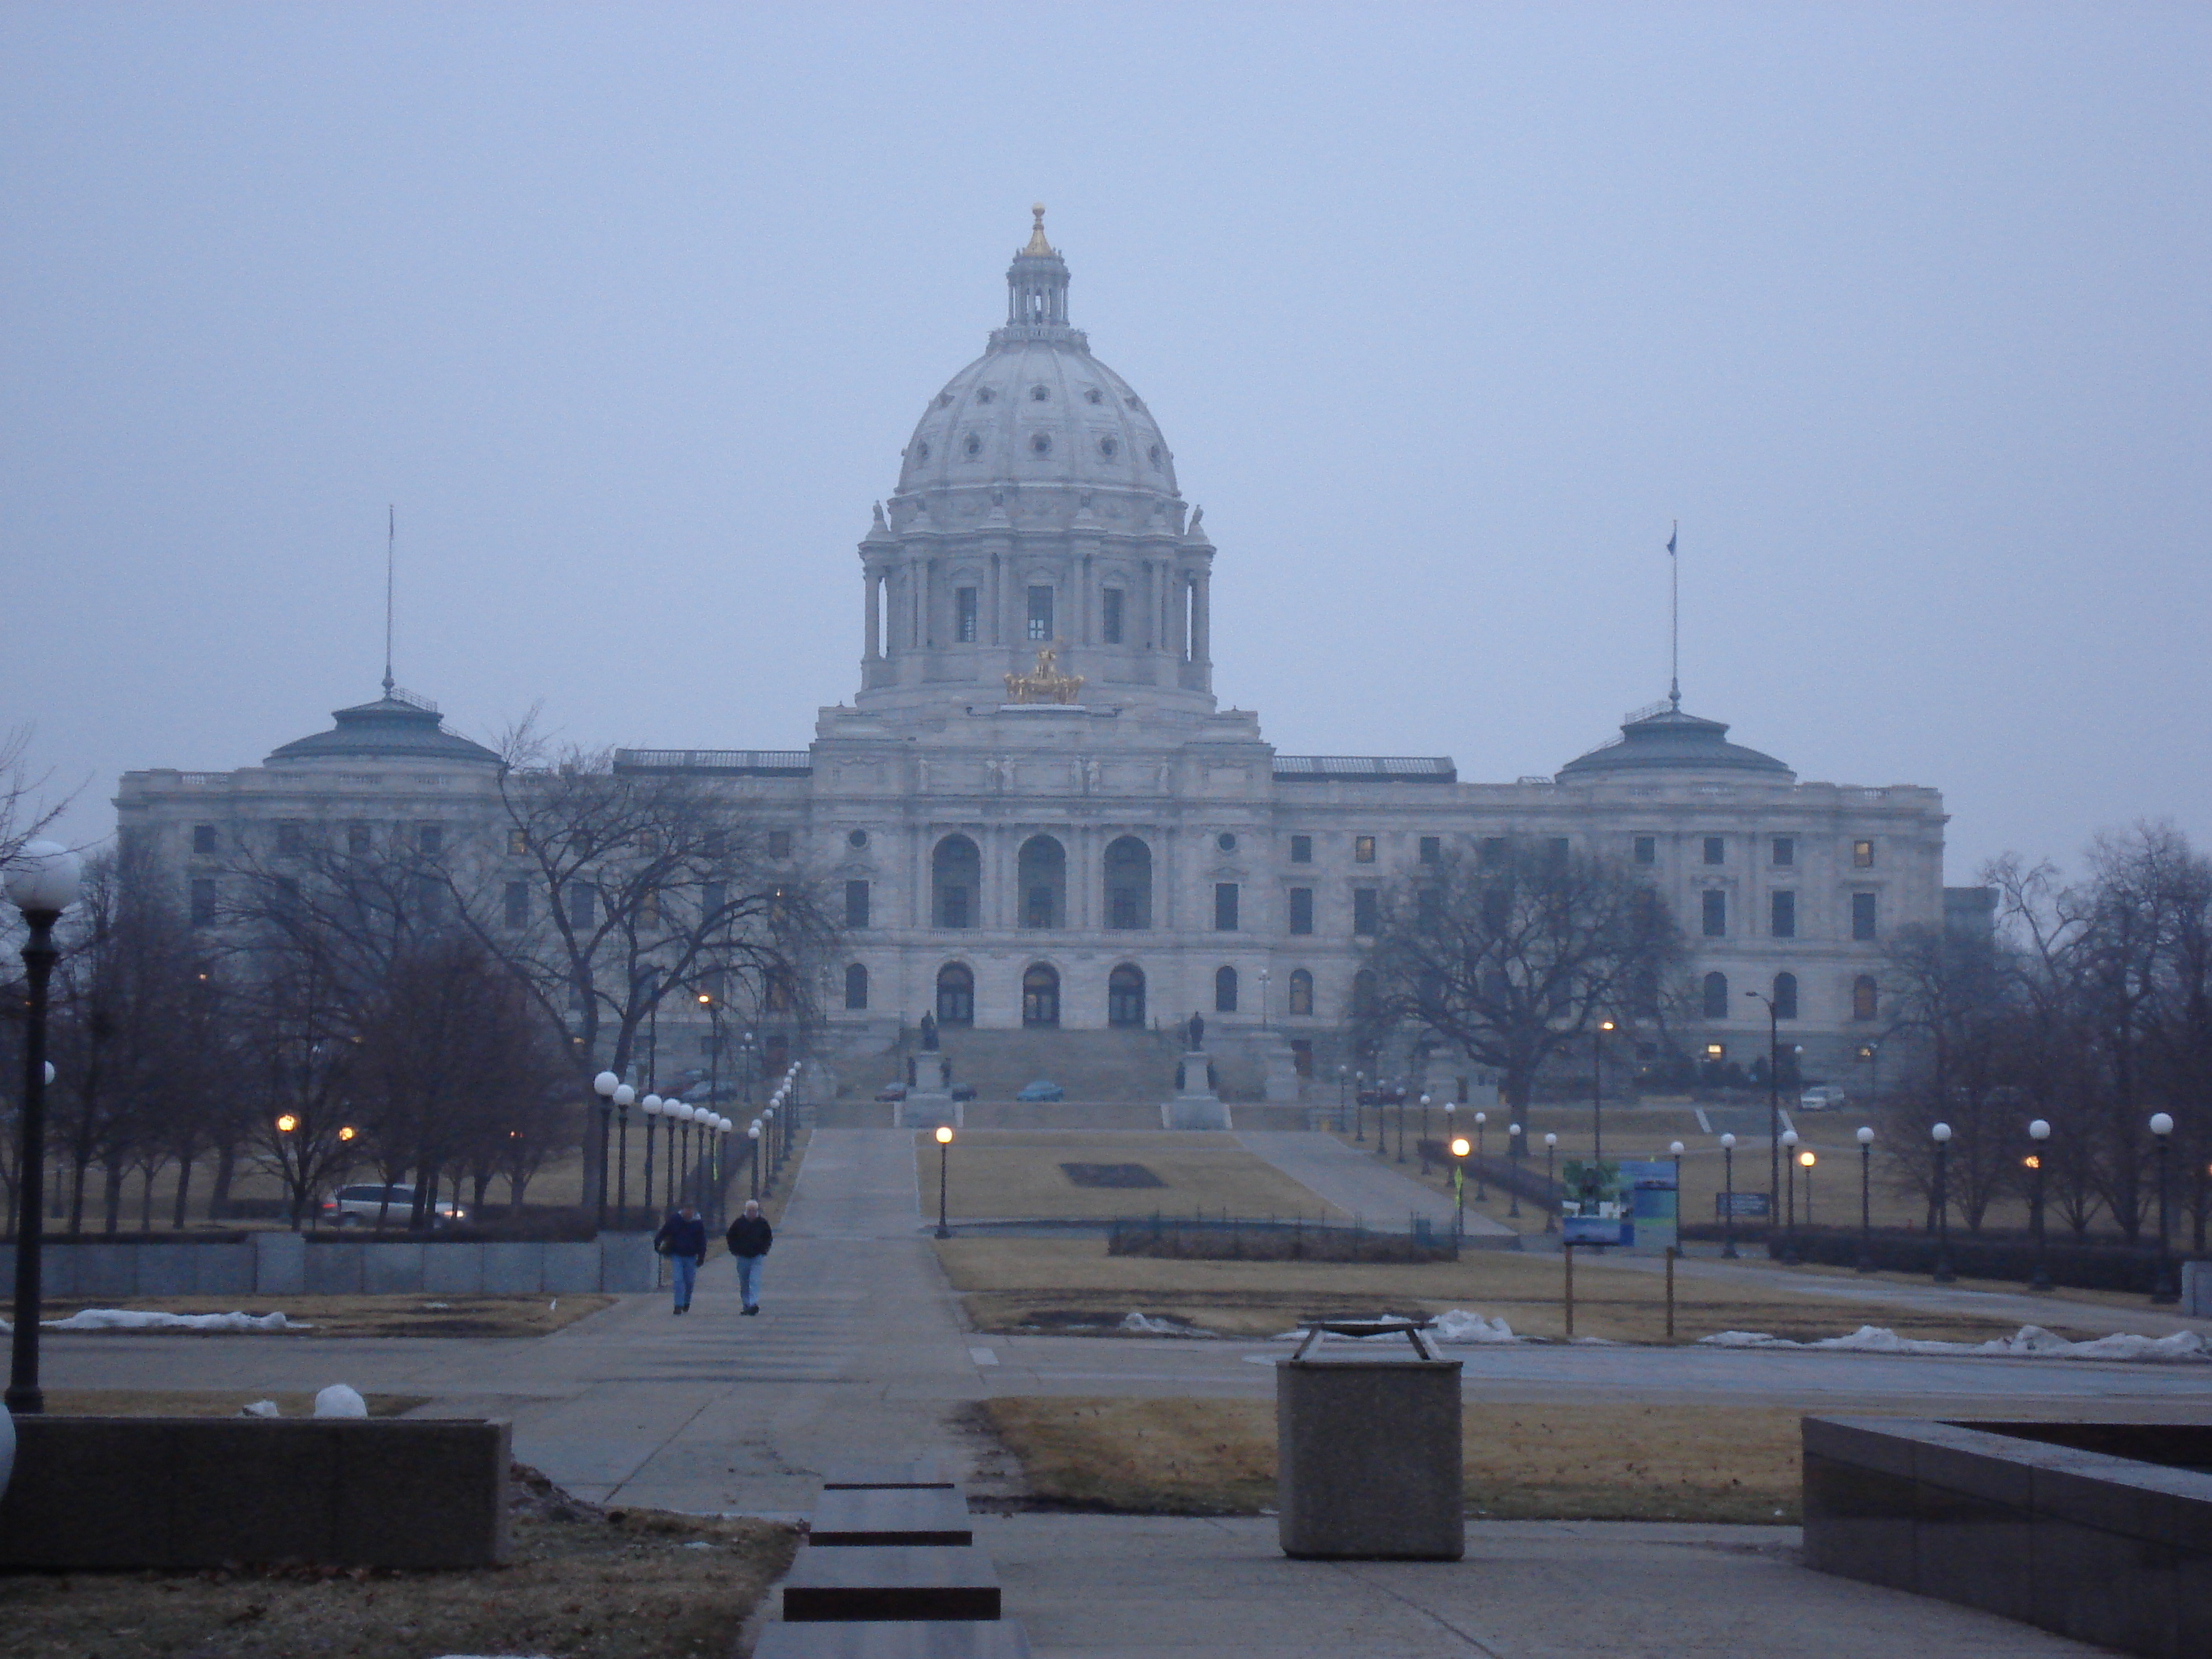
x=1370 y=1186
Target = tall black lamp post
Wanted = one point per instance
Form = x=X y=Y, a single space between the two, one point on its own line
x=1342 y=1072
x=604 y=1085
x=1513 y=1145
x=1865 y=1138
x=1728 y=1196
x=1551 y=1155
x=753 y=1135
x=624 y=1098
x=651 y=1107
x=41 y=883
x=1789 y=1258
x=1942 y=1135
x=1773 y=1105
x=1597 y=1091
x=1359 y=1107
x=2038 y=1131
x=1459 y=1150
x=2161 y=1127
x=944 y=1158
x=1480 y=1119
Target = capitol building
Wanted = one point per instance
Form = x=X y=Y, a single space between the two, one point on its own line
x=1035 y=816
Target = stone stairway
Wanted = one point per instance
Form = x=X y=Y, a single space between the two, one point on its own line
x=1102 y=1066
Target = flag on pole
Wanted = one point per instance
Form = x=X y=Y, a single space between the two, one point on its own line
x=1671 y=534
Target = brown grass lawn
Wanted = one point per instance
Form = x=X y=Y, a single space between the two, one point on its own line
x=1521 y=1461
x=1011 y=1284
x=583 y=1584
x=204 y=1402
x=1011 y=1172
x=369 y=1316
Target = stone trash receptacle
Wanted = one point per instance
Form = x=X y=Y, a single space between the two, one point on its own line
x=1367 y=1450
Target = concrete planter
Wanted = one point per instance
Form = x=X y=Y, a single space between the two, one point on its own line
x=1368 y=1458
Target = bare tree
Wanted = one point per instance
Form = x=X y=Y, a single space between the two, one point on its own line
x=1955 y=1003
x=1513 y=957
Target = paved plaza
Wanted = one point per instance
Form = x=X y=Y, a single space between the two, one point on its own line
x=860 y=1353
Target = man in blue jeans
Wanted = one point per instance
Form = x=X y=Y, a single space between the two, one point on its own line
x=683 y=1240
x=750 y=1238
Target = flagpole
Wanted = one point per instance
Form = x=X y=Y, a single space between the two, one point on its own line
x=1674 y=618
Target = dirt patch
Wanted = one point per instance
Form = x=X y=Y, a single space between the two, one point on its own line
x=584 y=1582
x=367 y=1315
x=206 y=1402
x=1012 y=1172
x=1521 y=1461
x=1110 y=1175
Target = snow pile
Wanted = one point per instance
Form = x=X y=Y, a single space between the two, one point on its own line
x=1134 y=1323
x=2029 y=1341
x=1458 y=1326
x=133 y=1319
x=339 y=1401
x=259 y=1408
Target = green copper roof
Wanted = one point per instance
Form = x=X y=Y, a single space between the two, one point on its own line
x=394 y=727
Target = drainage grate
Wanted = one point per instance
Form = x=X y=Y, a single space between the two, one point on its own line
x=1110 y=1175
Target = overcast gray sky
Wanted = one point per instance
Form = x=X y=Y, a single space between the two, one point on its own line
x=1447 y=312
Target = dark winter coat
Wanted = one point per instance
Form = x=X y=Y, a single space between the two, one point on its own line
x=682 y=1236
x=751 y=1235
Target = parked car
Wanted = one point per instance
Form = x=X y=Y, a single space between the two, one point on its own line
x=891 y=1091
x=1822 y=1097
x=1384 y=1094
x=964 y=1091
x=358 y=1206
x=1042 y=1089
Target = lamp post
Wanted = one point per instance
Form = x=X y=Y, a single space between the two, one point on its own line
x=679 y=1146
x=1342 y=1072
x=2038 y=1131
x=713 y=1005
x=41 y=883
x=1400 y=1092
x=943 y=1157
x=1480 y=1119
x=1806 y=1160
x=1675 y=1151
x=1424 y=1120
x=1942 y=1135
x=1597 y=1091
x=2161 y=1125
x=1551 y=1153
x=1728 y=1202
x=1789 y=1209
x=1513 y=1156
x=1264 y=975
x=624 y=1098
x=1865 y=1138
x=753 y=1135
x=767 y=1121
x=1358 y=1106
x=605 y=1085
x=651 y=1107
x=1773 y=1103
x=1459 y=1150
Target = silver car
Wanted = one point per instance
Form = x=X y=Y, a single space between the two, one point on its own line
x=359 y=1207
x=1821 y=1097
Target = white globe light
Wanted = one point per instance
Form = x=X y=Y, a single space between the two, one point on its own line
x=1482 y=1117
x=754 y=1133
x=1942 y=1132
x=1550 y=1141
x=1727 y=1143
x=1675 y=1147
x=2161 y=1124
x=651 y=1103
x=1789 y=1137
x=1865 y=1136
x=681 y=1113
x=605 y=1084
x=2039 y=1130
x=44 y=875
x=624 y=1095
x=1512 y=1128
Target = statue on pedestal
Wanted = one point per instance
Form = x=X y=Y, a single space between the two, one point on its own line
x=1197 y=1033
x=929 y=1033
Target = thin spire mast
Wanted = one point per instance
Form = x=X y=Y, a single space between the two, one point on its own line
x=1675 y=618
x=391 y=540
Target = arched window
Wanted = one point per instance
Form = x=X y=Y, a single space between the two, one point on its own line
x=1866 y=1001
x=955 y=994
x=1128 y=865
x=1363 y=997
x=956 y=870
x=1040 y=995
x=1717 y=1002
x=1785 y=996
x=1042 y=867
x=856 y=987
x=1125 y=996
x=1225 y=990
x=1301 y=992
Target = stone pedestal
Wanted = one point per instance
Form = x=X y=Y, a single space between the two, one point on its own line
x=1279 y=1066
x=1367 y=1458
x=1195 y=1105
x=930 y=1102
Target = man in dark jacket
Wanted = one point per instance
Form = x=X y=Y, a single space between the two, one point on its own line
x=683 y=1240
x=750 y=1238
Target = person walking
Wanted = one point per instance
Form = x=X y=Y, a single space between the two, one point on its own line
x=750 y=1238
x=683 y=1240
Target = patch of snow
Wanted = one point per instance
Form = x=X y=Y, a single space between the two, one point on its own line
x=1457 y=1325
x=437 y=1307
x=259 y=1408
x=339 y=1401
x=1136 y=1324
x=135 y=1319
x=2029 y=1341
x=982 y=1356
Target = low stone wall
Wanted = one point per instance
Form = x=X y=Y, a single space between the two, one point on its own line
x=292 y=1264
x=2098 y=1531
x=119 y=1492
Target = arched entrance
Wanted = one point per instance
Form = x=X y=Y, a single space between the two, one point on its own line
x=955 y=994
x=1040 y=995
x=1128 y=884
x=1125 y=995
x=1042 y=867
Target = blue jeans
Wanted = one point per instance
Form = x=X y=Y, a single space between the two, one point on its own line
x=686 y=1269
x=749 y=1268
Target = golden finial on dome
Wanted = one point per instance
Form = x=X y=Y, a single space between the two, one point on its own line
x=1037 y=243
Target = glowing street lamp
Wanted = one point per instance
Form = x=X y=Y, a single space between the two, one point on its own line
x=2161 y=1127
x=944 y=1158
x=1940 y=1133
x=604 y=1085
x=2038 y=1131
x=1459 y=1151
x=1865 y=1138
x=1550 y=1154
x=1727 y=1200
x=1806 y=1160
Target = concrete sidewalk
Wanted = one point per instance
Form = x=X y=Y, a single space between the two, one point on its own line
x=1370 y=1186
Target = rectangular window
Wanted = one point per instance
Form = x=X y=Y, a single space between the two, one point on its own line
x=358 y=840
x=203 y=838
x=1493 y=851
x=964 y=615
x=1302 y=910
x=1109 y=615
x=1429 y=907
x=1862 y=854
x=1782 y=915
x=582 y=899
x=779 y=843
x=517 y=903
x=292 y=838
x=1363 y=849
x=1716 y=850
x=517 y=843
x=952 y=907
x=1366 y=911
x=203 y=903
x=1647 y=849
x=1302 y=849
x=1862 y=915
x=1041 y=614
x=1225 y=907
x=1432 y=849
x=1715 y=913
x=430 y=840
x=1785 y=851
x=856 y=904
